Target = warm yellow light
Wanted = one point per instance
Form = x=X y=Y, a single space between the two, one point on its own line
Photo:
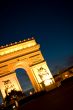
x=30 y=93
x=17 y=47
x=66 y=75
x=48 y=82
x=45 y=77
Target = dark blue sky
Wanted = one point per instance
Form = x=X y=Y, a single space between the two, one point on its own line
x=50 y=22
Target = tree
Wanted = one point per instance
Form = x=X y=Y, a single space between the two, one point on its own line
x=13 y=96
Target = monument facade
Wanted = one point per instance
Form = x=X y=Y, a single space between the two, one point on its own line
x=24 y=54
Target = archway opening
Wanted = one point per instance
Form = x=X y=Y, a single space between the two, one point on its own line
x=24 y=81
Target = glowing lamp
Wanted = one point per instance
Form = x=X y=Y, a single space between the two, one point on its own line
x=66 y=75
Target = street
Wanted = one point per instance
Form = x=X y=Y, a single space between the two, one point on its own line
x=60 y=98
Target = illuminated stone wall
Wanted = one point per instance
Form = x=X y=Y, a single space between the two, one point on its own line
x=8 y=83
x=43 y=74
x=18 y=46
x=25 y=54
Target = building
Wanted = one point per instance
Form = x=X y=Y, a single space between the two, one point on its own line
x=64 y=74
x=24 y=54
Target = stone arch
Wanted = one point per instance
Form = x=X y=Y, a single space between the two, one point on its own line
x=24 y=81
x=24 y=65
x=26 y=55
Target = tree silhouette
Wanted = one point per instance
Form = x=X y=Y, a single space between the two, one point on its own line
x=13 y=96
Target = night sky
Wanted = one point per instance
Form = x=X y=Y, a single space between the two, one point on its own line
x=49 y=22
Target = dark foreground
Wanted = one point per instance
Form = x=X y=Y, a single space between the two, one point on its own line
x=60 y=98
